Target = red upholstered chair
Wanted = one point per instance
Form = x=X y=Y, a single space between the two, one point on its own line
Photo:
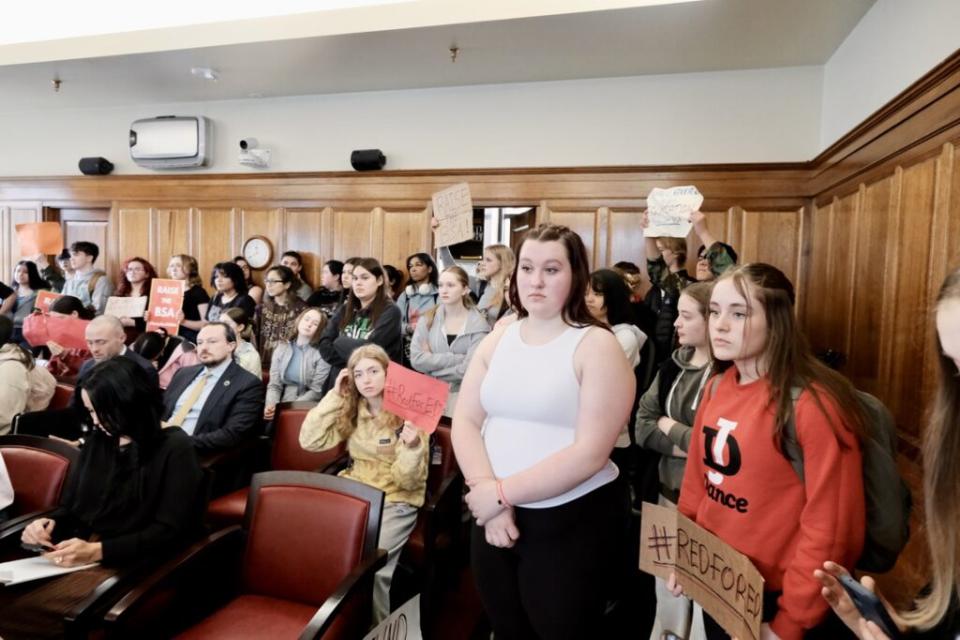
x=301 y=565
x=286 y=455
x=62 y=395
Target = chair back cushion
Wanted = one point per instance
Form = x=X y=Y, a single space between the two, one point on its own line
x=37 y=476
x=287 y=453
x=302 y=542
x=62 y=396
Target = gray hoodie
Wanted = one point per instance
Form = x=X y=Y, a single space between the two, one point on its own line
x=313 y=373
x=442 y=361
x=688 y=388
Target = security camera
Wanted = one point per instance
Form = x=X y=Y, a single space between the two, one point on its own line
x=248 y=143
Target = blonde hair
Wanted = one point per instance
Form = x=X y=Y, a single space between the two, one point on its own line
x=941 y=484
x=347 y=420
x=190 y=268
x=501 y=279
x=464 y=280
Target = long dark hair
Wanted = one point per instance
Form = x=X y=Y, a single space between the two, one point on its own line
x=232 y=271
x=575 y=312
x=789 y=360
x=380 y=302
x=125 y=288
x=287 y=276
x=126 y=402
x=425 y=258
x=69 y=304
x=33 y=275
x=616 y=296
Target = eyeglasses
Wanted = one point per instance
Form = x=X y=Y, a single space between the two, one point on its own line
x=274 y=281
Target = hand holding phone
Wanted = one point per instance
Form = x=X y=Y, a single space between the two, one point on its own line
x=869 y=605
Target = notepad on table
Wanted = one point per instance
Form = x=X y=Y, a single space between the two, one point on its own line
x=33 y=568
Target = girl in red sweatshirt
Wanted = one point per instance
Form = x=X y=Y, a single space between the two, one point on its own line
x=738 y=482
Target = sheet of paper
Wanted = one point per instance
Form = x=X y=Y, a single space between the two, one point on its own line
x=126 y=307
x=33 y=568
x=402 y=624
x=668 y=211
x=453 y=209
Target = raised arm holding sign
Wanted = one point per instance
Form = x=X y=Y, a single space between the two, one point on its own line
x=415 y=397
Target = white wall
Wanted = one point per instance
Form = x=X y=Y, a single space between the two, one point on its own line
x=732 y=116
x=893 y=45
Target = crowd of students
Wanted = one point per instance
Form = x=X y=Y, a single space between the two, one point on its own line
x=557 y=376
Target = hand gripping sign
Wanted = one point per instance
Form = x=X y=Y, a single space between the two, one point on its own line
x=415 y=397
x=718 y=577
x=668 y=211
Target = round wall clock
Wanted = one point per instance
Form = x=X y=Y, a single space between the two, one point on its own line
x=258 y=252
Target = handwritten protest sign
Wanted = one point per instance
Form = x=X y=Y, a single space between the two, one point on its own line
x=126 y=306
x=453 y=209
x=402 y=624
x=668 y=211
x=39 y=237
x=44 y=300
x=415 y=397
x=166 y=300
x=68 y=332
x=718 y=577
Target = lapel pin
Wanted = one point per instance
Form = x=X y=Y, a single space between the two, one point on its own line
x=226 y=383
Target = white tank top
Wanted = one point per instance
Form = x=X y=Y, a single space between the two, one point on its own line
x=532 y=397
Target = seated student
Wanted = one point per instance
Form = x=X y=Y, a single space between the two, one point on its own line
x=231 y=289
x=91 y=286
x=27 y=283
x=196 y=300
x=253 y=290
x=217 y=402
x=298 y=371
x=294 y=261
x=665 y=420
x=386 y=453
x=447 y=336
x=134 y=496
x=278 y=312
x=713 y=257
x=330 y=294
x=739 y=483
x=136 y=275
x=63 y=362
x=168 y=353
x=245 y=354
x=23 y=386
x=368 y=315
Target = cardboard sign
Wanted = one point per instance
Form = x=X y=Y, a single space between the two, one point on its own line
x=44 y=300
x=166 y=300
x=39 y=237
x=668 y=211
x=453 y=209
x=402 y=624
x=126 y=306
x=715 y=575
x=415 y=397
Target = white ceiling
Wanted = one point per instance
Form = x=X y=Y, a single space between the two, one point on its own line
x=710 y=35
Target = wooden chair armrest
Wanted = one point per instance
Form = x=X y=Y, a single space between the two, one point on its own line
x=87 y=614
x=350 y=587
x=177 y=570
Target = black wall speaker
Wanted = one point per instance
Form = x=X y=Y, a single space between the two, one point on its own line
x=368 y=159
x=95 y=166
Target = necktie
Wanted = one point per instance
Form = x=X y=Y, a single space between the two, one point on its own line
x=177 y=419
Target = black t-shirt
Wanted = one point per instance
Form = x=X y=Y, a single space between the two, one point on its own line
x=5 y=291
x=218 y=306
x=192 y=299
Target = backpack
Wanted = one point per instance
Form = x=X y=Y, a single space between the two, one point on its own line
x=886 y=496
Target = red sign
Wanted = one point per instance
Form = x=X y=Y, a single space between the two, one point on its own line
x=415 y=397
x=166 y=300
x=67 y=331
x=44 y=300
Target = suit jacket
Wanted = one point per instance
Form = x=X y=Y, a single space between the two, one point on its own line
x=88 y=365
x=232 y=412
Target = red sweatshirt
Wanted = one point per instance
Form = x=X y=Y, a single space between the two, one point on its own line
x=740 y=488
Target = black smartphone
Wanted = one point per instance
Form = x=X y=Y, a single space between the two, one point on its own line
x=869 y=606
x=36 y=548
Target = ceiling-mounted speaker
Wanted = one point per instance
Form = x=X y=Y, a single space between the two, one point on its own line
x=95 y=166
x=368 y=159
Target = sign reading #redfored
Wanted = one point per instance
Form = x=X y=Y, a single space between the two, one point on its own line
x=415 y=397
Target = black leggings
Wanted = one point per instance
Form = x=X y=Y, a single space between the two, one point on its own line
x=555 y=581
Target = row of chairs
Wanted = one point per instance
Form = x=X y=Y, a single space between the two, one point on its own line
x=295 y=542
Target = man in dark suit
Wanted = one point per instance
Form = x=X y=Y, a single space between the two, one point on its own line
x=217 y=402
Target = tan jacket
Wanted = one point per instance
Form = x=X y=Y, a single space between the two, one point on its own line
x=379 y=458
x=21 y=390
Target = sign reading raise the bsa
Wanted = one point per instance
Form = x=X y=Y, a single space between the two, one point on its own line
x=166 y=300
x=718 y=577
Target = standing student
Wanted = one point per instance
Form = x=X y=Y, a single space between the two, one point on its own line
x=298 y=372
x=367 y=316
x=51 y=270
x=196 y=300
x=346 y=275
x=387 y=453
x=245 y=354
x=330 y=294
x=739 y=483
x=231 y=289
x=88 y=284
x=934 y=614
x=136 y=276
x=27 y=283
x=664 y=425
x=713 y=257
x=540 y=408
x=279 y=310
x=447 y=336
x=419 y=296
x=254 y=290
x=294 y=261
x=493 y=279
x=395 y=278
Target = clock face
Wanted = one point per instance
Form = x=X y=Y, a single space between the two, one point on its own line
x=257 y=252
